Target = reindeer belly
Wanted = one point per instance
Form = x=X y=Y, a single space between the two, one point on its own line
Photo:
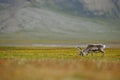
x=94 y=49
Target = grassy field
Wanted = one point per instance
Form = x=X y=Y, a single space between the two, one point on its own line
x=57 y=63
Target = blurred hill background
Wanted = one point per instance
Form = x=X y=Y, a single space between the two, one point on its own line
x=59 y=21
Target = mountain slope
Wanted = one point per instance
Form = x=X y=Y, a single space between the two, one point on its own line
x=36 y=20
x=45 y=24
x=102 y=8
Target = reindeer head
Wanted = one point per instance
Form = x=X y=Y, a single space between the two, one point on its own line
x=82 y=53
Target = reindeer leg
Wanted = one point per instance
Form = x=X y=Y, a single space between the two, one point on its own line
x=102 y=51
x=90 y=53
x=102 y=54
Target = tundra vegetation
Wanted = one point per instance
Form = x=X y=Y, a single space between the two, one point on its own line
x=57 y=63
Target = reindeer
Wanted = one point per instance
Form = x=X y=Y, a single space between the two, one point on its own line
x=92 y=48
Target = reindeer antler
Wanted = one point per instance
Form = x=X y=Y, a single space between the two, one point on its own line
x=79 y=48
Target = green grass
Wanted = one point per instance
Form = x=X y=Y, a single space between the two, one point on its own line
x=39 y=52
x=54 y=52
